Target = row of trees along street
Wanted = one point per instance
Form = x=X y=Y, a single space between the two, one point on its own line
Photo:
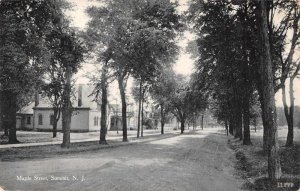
x=133 y=38
x=244 y=52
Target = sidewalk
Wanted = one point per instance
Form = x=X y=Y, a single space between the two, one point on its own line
x=131 y=137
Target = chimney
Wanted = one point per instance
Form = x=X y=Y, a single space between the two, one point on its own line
x=36 y=98
x=80 y=95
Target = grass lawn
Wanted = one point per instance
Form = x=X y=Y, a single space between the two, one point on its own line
x=252 y=162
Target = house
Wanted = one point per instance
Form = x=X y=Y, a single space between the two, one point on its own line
x=116 y=117
x=86 y=112
x=24 y=117
x=85 y=116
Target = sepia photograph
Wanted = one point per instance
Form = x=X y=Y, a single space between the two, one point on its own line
x=149 y=95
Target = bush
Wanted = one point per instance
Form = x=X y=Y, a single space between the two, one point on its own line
x=148 y=123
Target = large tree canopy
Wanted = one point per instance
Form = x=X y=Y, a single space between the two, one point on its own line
x=139 y=37
x=24 y=27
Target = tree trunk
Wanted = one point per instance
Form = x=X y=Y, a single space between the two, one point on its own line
x=289 y=113
x=194 y=122
x=268 y=108
x=230 y=126
x=226 y=126
x=182 y=121
x=54 y=128
x=9 y=113
x=103 y=128
x=124 y=114
x=290 y=135
x=289 y=140
x=246 y=120
x=265 y=125
x=142 y=116
x=238 y=121
x=255 y=123
x=240 y=124
x=66 y=109
x=202 y=121
x=162 y=118
x=56 y=117
x=139 y=112
x=237 y=112
x=54 y=125
x=246 y=83
x=1 y=115
x=234 y=128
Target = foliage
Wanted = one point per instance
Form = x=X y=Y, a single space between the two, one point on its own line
x=137 y=36
x=227 y=64
x=25 y=26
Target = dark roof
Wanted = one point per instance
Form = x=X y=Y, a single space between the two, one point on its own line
x=27 y=109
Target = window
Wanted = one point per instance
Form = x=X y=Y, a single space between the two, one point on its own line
x=51 y=119
x=28 y=120
x=40 y=119
x=96 y=119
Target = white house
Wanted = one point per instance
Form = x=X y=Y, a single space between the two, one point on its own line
x=85 y=116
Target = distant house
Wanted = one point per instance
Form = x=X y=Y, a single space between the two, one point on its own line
x=116 y=117
x=25 y=118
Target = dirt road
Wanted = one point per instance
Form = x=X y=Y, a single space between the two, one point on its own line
x=200 y=161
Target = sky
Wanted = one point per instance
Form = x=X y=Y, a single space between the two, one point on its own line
x=184 y=64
